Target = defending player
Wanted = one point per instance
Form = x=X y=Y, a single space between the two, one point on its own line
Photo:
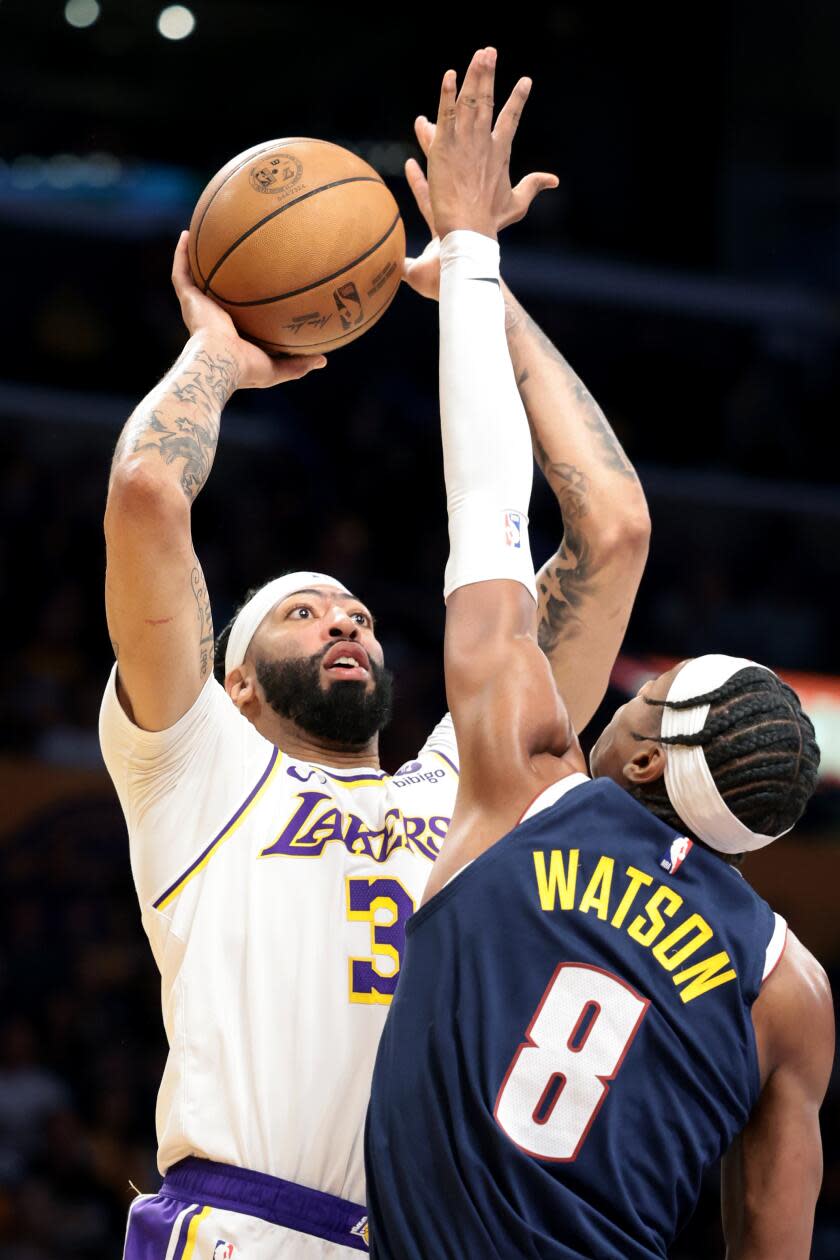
x=275 y=862
x=594 y=1004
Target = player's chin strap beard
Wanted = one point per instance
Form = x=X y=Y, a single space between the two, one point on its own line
x=345 y=714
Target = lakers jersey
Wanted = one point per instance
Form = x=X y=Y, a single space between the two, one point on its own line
x=275 y=895
x=571 y=1045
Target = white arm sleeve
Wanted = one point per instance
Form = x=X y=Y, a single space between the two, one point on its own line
x=486 y=441
x=175 y=785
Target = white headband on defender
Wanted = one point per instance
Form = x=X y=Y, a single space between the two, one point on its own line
x=688 y=780
x=260 y=605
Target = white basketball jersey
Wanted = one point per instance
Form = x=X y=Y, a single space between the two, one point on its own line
x=274 y=894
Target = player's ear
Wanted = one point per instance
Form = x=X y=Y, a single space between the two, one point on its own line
x=241 y=687
x=646 y=765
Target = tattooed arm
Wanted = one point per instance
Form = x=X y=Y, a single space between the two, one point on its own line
x=155 y=594
x=588 y=587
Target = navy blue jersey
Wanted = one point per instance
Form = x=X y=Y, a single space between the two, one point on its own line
x=570 y=1044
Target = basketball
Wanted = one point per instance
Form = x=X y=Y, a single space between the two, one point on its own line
x=301 y=242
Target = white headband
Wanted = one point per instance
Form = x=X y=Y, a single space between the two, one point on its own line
x=688 y=780
x=260 y=605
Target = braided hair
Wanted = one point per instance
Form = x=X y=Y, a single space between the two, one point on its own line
x=760 y=749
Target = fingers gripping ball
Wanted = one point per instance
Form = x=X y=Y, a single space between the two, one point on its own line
x=300 y=242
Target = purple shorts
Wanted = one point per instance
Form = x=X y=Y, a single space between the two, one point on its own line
x=215 y=1211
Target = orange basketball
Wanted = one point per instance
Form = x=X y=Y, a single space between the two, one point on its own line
x=301 y=242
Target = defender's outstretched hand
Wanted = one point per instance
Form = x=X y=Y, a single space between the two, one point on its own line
x=470 y=113
x=257 y=370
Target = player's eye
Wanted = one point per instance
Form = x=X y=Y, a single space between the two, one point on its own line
x=362 y=618
x=301 y=612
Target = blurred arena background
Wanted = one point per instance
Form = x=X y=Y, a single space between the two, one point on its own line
x=689 y=267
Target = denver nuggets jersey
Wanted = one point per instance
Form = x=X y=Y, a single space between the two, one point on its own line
x=571 y=1043
x=274 y=894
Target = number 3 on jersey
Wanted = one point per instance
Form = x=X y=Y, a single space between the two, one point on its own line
x=386 y=906
x=575 y=1044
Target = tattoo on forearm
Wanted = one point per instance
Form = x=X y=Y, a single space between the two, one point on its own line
x=540 y=453
x=571 y=487
x=563 y=584
x=182 y=438
x=184 y=426
x=205 y=620
x=614 y=458
x=569 y=484
x=570 y=575
x=598 y=424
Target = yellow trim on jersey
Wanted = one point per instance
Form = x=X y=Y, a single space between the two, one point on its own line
x=362 y=781
x=192 y=1233
x=216 y=844
x=371 y=780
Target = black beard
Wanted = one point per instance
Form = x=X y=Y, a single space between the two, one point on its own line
x=345 y=714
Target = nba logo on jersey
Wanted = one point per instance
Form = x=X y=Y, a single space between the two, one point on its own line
x=676 y=855
x=513 y=529
x=222 y=1250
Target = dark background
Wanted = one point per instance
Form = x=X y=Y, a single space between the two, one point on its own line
x=688 y=267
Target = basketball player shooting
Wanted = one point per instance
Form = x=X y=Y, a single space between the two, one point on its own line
x=594 y=1005
x=275 y=862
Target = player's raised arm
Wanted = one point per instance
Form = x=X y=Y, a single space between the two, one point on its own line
x=587 y=588
x=504 y=703
x=156 y=599
x=773 y=1171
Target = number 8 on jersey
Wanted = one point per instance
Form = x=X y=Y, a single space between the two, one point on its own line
x=575 y=1044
